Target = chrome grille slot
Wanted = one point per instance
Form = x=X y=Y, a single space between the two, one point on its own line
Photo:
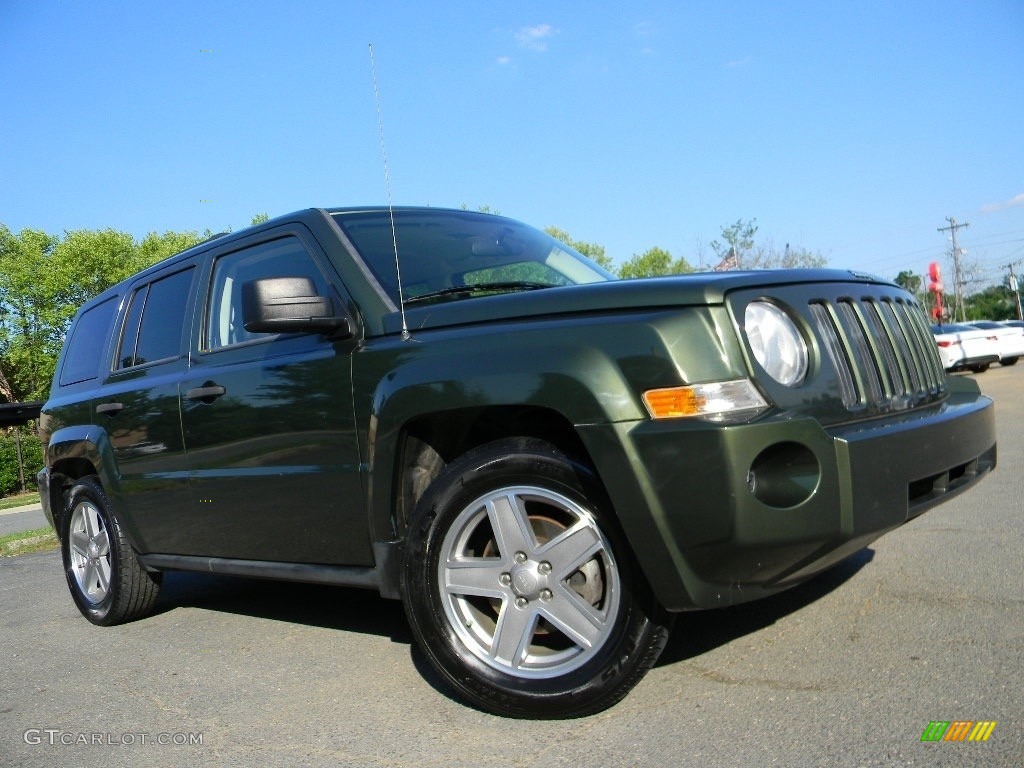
x=935 y=374
x=881 y=350
x=903 y=344
x=863 y=354
x=826 y=323
x=896 y=377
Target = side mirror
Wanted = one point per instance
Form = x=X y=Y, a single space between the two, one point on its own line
x=290 y=305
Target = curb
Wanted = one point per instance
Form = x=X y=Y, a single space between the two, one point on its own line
x=24 y=508
x=13 y=548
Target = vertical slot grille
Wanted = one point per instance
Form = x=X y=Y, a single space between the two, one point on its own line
x=881 y=350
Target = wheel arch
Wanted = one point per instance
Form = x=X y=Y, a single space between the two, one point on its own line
x=429 y=442
x=73 y=453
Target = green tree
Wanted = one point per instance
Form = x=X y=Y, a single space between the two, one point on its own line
x=996 y=302
x=737 y=249
x=259 y=218
x=84 y=264
x=26 y=343
x=654 y=262
x=592 y=251
x=31 y=454
x=154 y=247
x=737 y=240
x=910 y=282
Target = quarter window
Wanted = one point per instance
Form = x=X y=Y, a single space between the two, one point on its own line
x=81 y=363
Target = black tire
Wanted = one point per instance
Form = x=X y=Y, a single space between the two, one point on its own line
x=541 y=613
x=979 y=368
x=1008 y=361
x=108 y=584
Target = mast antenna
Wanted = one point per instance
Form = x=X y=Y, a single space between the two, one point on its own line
x=387 y=186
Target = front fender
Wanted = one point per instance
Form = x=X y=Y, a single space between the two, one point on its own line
x=587 y=370
x=581 y=388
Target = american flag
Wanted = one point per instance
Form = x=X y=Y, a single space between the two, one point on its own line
x=729 y=262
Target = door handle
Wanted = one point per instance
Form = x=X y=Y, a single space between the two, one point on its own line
x=110 y=408
x=206 y=393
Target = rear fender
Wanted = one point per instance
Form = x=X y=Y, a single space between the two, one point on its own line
x=76 y=451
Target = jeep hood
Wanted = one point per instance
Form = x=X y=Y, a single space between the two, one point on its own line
x=700 y=289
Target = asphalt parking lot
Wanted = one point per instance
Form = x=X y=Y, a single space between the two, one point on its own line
x=848 y=670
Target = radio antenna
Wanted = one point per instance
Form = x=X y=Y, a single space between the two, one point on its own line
x=387 y=185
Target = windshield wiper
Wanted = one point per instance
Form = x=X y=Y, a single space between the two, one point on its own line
x=469 y=290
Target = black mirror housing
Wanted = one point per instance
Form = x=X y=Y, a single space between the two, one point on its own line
x=289 y=305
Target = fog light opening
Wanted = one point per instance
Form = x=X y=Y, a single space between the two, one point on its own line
x=784 y=475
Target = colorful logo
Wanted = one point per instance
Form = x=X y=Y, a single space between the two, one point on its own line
x=958 y=730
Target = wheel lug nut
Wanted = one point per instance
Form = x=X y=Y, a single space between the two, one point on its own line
x=521 y=602
x=505 y=579
x=520 y=557
x=544 y=567
x=545 y=594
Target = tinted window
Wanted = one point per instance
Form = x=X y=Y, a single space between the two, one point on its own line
x=441 y=249
x=152 y=330
x=279 y=258
x=130 y=333
x=82 y=360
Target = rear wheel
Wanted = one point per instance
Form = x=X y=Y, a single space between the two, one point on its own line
x=979 y=368
x=521 y=591
x=108 y=584
x=1008 y=361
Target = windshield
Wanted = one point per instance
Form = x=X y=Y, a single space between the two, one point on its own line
x=442 y=250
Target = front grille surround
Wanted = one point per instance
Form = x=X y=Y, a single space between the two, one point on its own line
x=881 y=350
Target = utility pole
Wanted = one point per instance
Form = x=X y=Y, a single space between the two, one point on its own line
x=958 y=277
x=1014 y=288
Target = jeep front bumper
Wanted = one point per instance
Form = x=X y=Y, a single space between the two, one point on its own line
x=719 y=515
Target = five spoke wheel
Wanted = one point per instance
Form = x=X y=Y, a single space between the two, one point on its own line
x=529 y=581
x=90 y=552
x=520 y=589
x=107 y=582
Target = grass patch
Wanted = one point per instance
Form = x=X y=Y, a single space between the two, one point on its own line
x=8 y=502
x=23 y=542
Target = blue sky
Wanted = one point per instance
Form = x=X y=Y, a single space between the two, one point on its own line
x=848 y=128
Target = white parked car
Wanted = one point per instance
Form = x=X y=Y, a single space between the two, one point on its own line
x=1009 y=338
x=963 y=347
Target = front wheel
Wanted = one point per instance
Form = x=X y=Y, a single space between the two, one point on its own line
x=521 y=591
x=108 y=584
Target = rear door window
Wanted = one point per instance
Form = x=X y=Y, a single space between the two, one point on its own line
x=156 y=317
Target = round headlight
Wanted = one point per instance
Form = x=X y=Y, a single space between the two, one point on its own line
x=776 y=342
